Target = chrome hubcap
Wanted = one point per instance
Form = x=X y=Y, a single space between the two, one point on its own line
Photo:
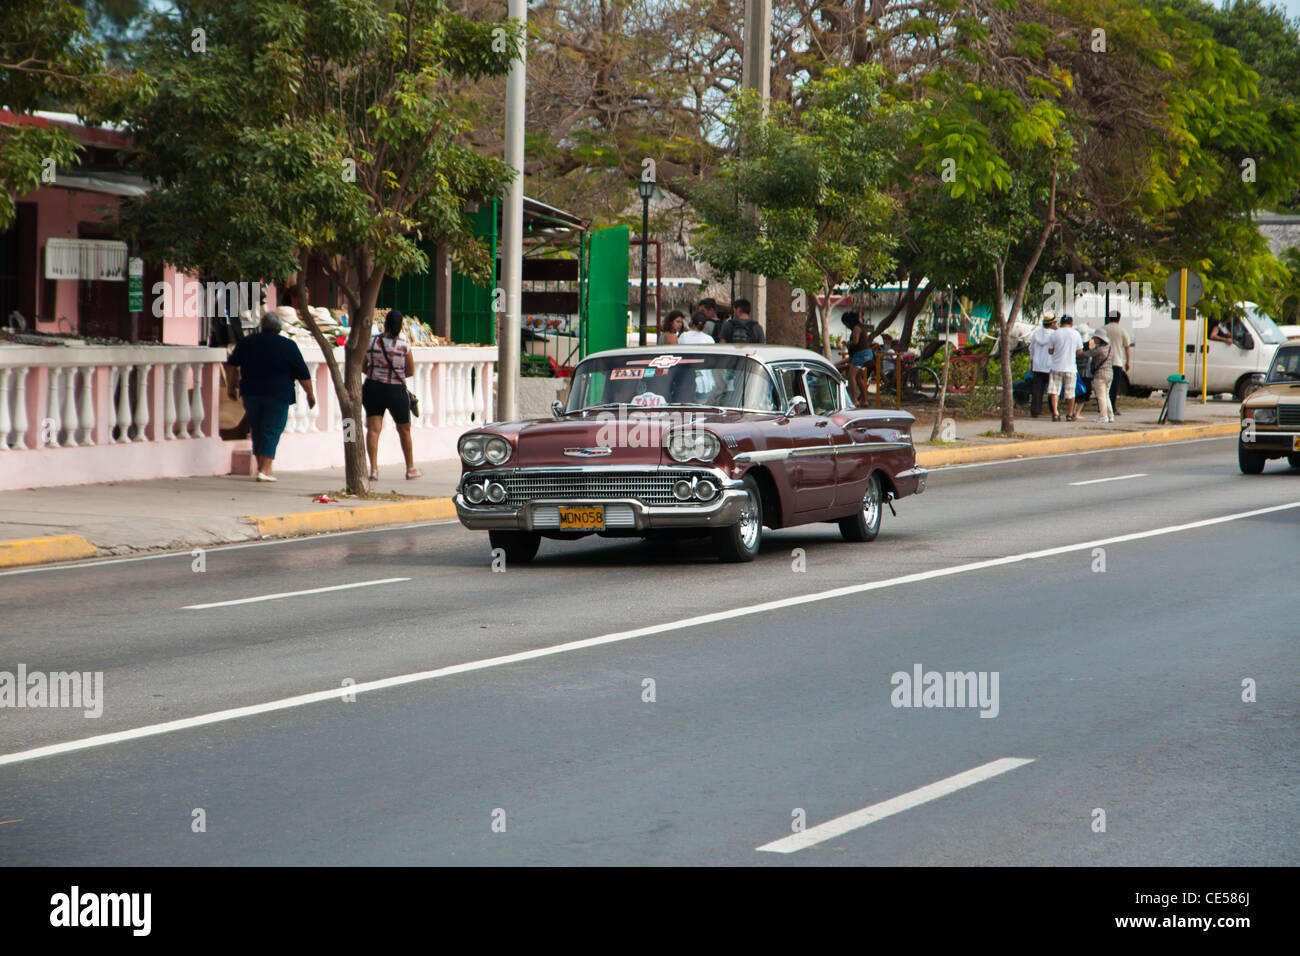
x=749 y=523
x=871 y=504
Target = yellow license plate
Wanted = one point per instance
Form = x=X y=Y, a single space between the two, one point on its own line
x=1295 y=442
x=582 y=519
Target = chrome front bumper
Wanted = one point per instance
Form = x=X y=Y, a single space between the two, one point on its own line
x=537 y=515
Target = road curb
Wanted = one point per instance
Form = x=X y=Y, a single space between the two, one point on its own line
x=1009 y=451
x=54 y=547
x=348 y=519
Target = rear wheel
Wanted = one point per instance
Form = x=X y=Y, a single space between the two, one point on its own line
x=520 y=547
x=921 y=381
x=1250 y=462
x=865 y=524
x=740 y=542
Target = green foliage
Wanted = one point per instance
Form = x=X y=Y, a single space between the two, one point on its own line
x=48 y=60
x=804 y=200
x=328 y=128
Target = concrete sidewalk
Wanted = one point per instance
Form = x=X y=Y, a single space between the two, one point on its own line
x=42 y=525
x=133 y=516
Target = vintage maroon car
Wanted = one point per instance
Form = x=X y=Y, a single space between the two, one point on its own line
x=702 y=440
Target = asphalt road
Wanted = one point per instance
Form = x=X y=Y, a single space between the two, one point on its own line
x=1121 y=689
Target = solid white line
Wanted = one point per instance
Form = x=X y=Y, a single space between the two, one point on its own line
x=188 y=552
x=289 y=594
x=1097 y=481
x=878 y=811
x=614 y=638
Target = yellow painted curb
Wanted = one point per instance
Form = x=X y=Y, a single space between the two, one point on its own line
x=1010 y=450
x=346 y=519
x=54 y=547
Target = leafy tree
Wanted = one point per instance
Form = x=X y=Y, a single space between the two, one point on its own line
x=48 y=60
x=804 y=201
x=286 y=132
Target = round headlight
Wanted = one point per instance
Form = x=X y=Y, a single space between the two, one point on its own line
x=705 y=489
x=474 y=494
x=687 y=444
x=471 y=449
x=496 y=493
x=1266 y=416
x=496 y=450
x=682 y=489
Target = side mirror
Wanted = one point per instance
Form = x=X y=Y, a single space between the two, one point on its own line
x=1245 y=342
x=557 y=409
x=798 y=406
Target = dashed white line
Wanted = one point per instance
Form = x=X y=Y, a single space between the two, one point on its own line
x=335 y=693
x=1097 y=481
x=878 y=811
x=289 y=594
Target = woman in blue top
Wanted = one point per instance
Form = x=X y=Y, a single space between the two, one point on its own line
x=263 y=368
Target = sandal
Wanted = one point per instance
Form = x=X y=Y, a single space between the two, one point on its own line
x=413 y=473
x=1055 y=417
x=374 y=474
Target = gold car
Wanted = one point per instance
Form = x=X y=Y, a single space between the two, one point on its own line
x=1270 y=417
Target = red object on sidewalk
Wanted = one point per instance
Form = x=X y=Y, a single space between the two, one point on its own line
x=325 y=500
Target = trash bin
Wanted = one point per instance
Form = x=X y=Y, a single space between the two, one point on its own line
x=1177 y=398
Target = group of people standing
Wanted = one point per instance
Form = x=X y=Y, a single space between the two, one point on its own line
x=1055 y=350
x=706 y=328
x=264 y=366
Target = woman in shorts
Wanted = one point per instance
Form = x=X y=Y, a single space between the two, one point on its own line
x=388 y=364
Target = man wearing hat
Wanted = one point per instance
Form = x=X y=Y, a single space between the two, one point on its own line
x=1121 y=353
x=1040 y=358
x=1102 y=367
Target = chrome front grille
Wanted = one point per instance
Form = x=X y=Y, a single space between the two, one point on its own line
x=1288 y=414
x=649 y=487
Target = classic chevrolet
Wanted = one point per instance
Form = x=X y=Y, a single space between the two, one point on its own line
x=1270 y=416
x=716 y=440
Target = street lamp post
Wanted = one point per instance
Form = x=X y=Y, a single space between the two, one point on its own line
x=646 y=188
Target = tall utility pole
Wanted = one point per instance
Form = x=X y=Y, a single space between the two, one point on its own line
x=512 y=229
x=756 y=74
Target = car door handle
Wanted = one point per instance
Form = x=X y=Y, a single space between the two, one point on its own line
x=823 y=423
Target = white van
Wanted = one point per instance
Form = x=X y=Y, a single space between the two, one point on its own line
x=1238 y=367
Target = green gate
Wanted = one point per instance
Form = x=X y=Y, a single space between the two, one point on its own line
x=472 y=318
x=604 y=301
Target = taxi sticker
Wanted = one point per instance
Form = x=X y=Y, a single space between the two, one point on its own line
x=649 y=400
x=622 y=373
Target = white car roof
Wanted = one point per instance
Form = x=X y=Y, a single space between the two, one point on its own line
x=763 y=353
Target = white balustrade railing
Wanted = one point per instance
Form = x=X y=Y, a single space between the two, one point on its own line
x=69 y=396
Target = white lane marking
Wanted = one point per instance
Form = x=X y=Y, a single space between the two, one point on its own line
x=1075 y=454
x=614 y=638
x=186 y=552
x=1097 y=481
x=887 y=808
x=289 y=594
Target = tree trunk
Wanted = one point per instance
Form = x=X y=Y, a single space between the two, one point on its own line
x=914 y=308
x=825 y=314
x=784 y=325
x=943 y=386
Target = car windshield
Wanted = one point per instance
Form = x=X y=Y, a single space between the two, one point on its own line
x=659 y=381
x=1285 y=366
x=1269 y=333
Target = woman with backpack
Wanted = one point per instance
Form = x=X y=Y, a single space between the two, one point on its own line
x=387 y=366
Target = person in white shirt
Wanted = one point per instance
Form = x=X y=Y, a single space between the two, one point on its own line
x=696 y=335
x=1040 y=359
x=1064 y=349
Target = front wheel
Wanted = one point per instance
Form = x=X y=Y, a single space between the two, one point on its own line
x=865 y=524
x=1250 y=462
x=520 y=547
x=740 y=541
x=1294 y=460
